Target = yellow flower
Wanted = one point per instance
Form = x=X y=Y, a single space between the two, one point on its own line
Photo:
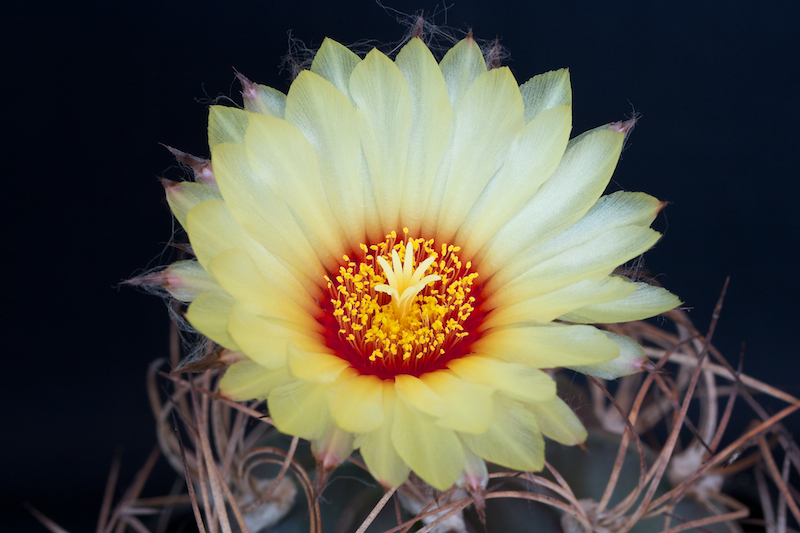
x=390 y=245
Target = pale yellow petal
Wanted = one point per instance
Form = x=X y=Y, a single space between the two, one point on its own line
x=563 y=199
x=318 y=367
x=547 y=345
x=558 y=422
x=335 y=63
x=418 y=395
x=491 y=104
x=329 y=122
x=631 y=360
x=532 y=158
x=182 y=196
x=287 y=163
x=434 y=453
x=645 y=302
x=616 y=210
x=209 y=314
x=430 y=128
x=514 y=379
x=185 y=280
x=265 y=340
x=226 y=125
x=212 y=229
x=261 y=213
x=247 y=380
x=460 y=66
x=376 y=446
x=470 y=404
x=384 y=117
x=300 y=408
x=239 y=275
x=591 y=260
x=552 y=305
x=513 y=440
x=357 y=404
x=546 y=91
x=265 y=100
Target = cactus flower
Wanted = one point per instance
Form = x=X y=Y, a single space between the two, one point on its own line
x=395 y=250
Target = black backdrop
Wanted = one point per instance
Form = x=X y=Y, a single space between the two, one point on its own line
x=95 y=86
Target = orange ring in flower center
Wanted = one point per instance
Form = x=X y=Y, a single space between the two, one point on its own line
x=405 y=307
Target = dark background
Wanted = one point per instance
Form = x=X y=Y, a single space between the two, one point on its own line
x=96 y=86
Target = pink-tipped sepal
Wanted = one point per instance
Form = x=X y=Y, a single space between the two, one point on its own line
x=203 y=173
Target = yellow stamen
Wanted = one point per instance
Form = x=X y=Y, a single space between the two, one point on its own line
x=425 y=315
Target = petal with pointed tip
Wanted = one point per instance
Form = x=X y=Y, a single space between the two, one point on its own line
x=513 y=440
x=533 y=156
x=384 y=117
x=575 y=186
x=285 y=161
x=631 y=359
x=182 y=196
x=552 y=305
x=594 y=259
x=301 y=408
x=431 y=116
x=547 y=345
x=376 y=446
x=558 y=422
x=226 y=125
x=460 y=66
x=433 y=452
x=265 y=217
x=645 y=302
x=212 y=230
x=546 y=91
x=327 y=118
x=335 y=62
x=492 y=103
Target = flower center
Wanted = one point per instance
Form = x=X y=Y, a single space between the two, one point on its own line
x=404 y=307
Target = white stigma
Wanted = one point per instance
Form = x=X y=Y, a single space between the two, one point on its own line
x=404 y=281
